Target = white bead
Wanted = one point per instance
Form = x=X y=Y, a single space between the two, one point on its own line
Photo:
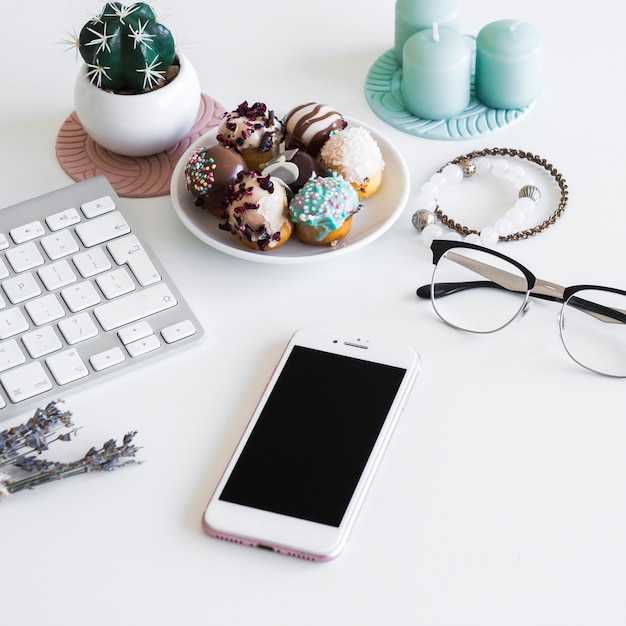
x=483 y=165
x=452 y=235
x=473 y=238
x=504 y=226
x=425 y=203
x=428 y=189
x=439 y=180
x=516 y=172
x=453 y=173
x=530 y=211
x=431 y=232
x=489 y=236
x=516 y=216
x=517 y=182
x=500 y=168
x=525 y=204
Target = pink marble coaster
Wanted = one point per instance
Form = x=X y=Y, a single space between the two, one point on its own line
x=131 y=177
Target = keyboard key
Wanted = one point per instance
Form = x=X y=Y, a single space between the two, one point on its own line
x=143 y=346
x=136 y=331
x=92 y=262
x=57 y=275
x=101 y=229
x=96 y=207
x=178 y=331
x=78 y=328
x=59 y=245
x=25 y=382
x=24 y=257
x=4 y=272
x=10 y=355
x=4 y=242
x=106 y=359
x=67 y=366
x=128 y=250
x=115 y=283
x=63 y=219
x=131 y=308
x=12 y=322
x=21 y=288
x=27 y=232
x=80 y=296
x=45 y=310
x=41 y=342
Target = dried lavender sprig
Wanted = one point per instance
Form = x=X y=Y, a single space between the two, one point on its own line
x=107 y=458
x=4 y=479
x=36 y=434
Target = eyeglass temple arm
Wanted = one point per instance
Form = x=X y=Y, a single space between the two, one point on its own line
x=446 y=289
x=501 y=279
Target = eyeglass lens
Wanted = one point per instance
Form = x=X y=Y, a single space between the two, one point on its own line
x=593 y=330
x=484 y=292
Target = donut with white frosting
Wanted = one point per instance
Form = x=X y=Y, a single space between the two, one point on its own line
x=354 y=154
x=253 y=131
x=257 y=212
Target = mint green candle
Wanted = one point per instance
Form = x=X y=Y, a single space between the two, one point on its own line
x=415 y=15
x=509 y=64
x=436 y=73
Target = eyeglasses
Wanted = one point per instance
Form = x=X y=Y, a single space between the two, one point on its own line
x=481 y=291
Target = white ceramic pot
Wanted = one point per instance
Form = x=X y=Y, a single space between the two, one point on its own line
x=143 y=124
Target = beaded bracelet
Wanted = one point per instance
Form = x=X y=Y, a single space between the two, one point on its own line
x=428 y=209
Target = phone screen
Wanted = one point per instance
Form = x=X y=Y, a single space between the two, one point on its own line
x=314 y=436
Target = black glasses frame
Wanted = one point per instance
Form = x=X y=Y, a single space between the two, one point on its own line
x=535 y=287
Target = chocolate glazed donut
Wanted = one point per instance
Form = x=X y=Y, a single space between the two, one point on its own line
x=309 y=125
x=208 y=173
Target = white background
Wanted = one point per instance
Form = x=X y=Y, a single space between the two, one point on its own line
x=501 y=498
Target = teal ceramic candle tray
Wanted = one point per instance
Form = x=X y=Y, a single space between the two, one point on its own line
x=382 y=91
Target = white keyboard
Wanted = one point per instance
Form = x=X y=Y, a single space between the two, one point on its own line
x=81 y=296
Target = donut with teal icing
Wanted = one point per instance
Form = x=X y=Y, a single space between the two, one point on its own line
x=323 y=208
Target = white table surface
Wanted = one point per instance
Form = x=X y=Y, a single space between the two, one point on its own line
x=501 y=498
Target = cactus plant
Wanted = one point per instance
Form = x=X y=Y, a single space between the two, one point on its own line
x=126 y=49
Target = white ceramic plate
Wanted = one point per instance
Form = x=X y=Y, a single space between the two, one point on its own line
x=378 y=214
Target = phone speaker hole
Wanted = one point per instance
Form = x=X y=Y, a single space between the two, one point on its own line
x=231 y=540
x=297 y=555
x=355 y=345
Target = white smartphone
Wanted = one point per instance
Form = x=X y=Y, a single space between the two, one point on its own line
x=300 y=472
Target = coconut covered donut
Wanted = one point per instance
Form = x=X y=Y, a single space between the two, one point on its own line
x=309 y=125
x=354 y=154
x=253 y=131
x=322 y=210
x=256 y=210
